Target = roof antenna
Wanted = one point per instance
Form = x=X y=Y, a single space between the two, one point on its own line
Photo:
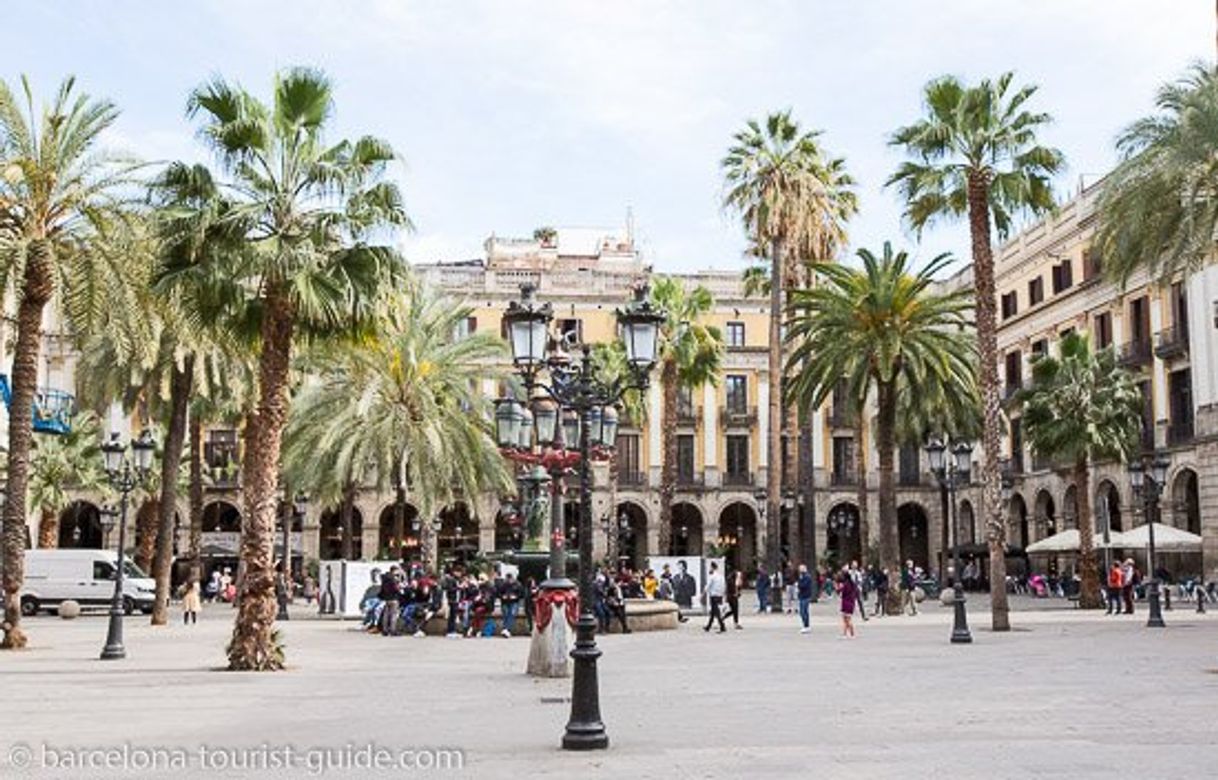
x=630 y=226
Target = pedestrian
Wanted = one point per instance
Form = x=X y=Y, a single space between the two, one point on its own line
x=860 y=581
x=881 y=590
x=310 y=590
x=190 y=603
x=763 y=589
x=1128 y=575
x=390 y=595
x=213 y=586
x=283 y=587
x=735 y=584
x=716 y=587
x=616 y=604
x=908 y=599
x=789 y=580
x=849 y=595
x=509 y=597
x=804 y=586
x=1113 y=591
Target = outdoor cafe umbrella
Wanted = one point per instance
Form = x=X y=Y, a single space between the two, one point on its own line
x=1168 y=538
x=1067 y=541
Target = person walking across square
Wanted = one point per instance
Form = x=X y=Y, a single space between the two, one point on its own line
x=715 y=589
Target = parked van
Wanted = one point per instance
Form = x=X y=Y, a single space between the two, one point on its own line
x=83 y=576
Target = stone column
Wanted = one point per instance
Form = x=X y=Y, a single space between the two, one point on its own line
x=710 y=437
x=1158 y=374
x=655 y=422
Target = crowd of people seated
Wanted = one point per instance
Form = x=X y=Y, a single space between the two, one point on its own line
x=404 y=600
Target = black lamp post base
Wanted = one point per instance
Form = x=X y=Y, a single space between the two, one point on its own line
x=283 y=613
x=1200 y=601
x=960 y=633
x=113 y=652
x=1156 y=614
x=114 y=649
x=585 y=730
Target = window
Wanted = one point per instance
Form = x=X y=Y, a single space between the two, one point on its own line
x=909 y=465
x=1010 y=305
x=685 y=457
x=103 y=570
x=1017 y=446
x=737 y=394
x=1036 y=291
x=1092 y=264
x=1014 y=370
x=465 y=328
x=685 y=403
x=1179 y=310
x=1180 y=406
x=1103 y=330
x=843 y=460
x=735 y=334
x=1040 y=348
x=1063 y=276
x=571 y=330
x=1139 y=321
x=627 y=454
x=737 y=457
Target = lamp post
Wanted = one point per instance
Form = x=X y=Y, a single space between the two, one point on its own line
x=951 y=474
x=290 y=514
x=125 y=474
x=589 y=416
x=842 y=524
x=1148 y=480
x=776 y=579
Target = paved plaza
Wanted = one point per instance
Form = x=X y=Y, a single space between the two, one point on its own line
x=1065 y=694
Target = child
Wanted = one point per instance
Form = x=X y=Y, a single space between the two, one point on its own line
x=190 y=603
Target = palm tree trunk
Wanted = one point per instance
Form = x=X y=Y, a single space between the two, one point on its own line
x=802 y=532
x=346 y=513
x=668 y=448
x=36 y=292
x=890 y=542
x=179 y=404
x=991 y=430
x=48 y=529
x=1089 y=596
x=146 y=532
x=196 y=498
x=253 y=646
x=774 y=426
x=860 y=472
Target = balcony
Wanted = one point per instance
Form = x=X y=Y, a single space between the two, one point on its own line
x=1179 y=433
x=632 y=479
x=688 y=481
x=688 y=415
x=735 y=416
x=1172 y=342
x=1135 y=353
x=738 y=479
x=844 y=479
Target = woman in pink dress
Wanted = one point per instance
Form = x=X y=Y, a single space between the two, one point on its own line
x=848 y=594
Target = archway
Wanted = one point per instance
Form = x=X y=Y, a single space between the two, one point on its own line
x=221 y=539
x=1108 y=507
x=221 y=517
x=842 y=534
x=457 y=538
x=686 y=529
x=396 y=542
x=738 y=536
x=967 y=529
x=631 y=535
x=80 y=527
x=1070 y=509
x=330 y=535
x=1018 y=521
x=914 y=532
x=1045 y=514
x=1186 y=502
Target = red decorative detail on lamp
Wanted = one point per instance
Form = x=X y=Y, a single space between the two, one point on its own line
x=548 y=600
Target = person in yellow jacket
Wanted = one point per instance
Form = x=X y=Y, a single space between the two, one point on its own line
x=650 y=584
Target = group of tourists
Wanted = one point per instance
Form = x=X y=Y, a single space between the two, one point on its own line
x=402 y=601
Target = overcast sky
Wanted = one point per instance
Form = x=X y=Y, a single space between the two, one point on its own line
x=509 y=116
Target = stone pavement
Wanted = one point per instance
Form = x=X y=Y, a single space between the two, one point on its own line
x=1066 y=694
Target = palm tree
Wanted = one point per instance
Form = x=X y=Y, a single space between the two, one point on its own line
x=794 y=200
x=976 y=153
x=690 y=354
x=60 y=206
x=308 y=211
x=1157 y=208
x=885 y=330
x=60 y=464
x=404 y=411
x=1082 y=406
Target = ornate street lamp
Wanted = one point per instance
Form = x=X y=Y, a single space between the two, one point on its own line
x=124 y=474
x=951 y=475
x=584 y=410
x=1149 y=483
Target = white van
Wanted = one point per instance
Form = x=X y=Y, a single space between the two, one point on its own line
x=83 y=576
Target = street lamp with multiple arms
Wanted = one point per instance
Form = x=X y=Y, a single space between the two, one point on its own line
x=566 y=391
x=1148 y=481
x=125 y=474
x=952 y=473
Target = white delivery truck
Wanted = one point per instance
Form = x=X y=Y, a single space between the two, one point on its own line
x=83 y=576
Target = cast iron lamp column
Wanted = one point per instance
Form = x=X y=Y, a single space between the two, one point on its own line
x=778 y=582
x=125 y=475
x=592 y=405
x=290 y=514
x=950 y=476
x=1150 y=485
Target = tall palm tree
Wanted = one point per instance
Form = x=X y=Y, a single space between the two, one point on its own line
x=60 y=464
x=404 y=411
x=1158 y=208
x=60 y=204
x=312 y=214
x=1082 y=406
x=794 y=200
x=976 y=153
x=885 y=330
x=690 y=355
